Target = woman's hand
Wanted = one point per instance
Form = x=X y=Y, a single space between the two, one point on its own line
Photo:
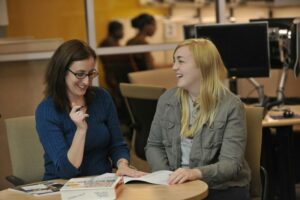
x=76 y=150
x=125 y=170
x=182 y=175
x=78 y=116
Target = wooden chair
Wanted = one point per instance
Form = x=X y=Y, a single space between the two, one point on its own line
x=26 y=151
x=258 y=185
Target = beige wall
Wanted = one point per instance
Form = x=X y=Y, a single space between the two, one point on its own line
x=21 y=86
x=245 y=89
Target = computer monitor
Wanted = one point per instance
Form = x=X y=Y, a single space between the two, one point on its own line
x=244 y=47
x=282 y=37
x=189 y=31
x=284 y=34
x=282 y=23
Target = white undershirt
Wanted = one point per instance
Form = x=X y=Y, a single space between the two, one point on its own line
x=186 y=143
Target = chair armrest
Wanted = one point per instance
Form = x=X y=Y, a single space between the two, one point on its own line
x=15 y=180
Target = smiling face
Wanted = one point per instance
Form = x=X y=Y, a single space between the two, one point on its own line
x=187 y=74
x=76 y=88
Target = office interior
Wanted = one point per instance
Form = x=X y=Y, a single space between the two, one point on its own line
x=31 y=30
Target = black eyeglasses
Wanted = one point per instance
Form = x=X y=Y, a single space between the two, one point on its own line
x=81 y=75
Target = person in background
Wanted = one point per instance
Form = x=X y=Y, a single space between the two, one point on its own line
x=115 y=34
x=77 y=124
x=116 y=68
x=146 y=26
x=114 y=64
x=199 y=129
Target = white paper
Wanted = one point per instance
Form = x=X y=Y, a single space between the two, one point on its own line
x=158 y=177
x=35 y=187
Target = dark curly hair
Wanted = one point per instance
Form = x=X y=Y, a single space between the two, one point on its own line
x=141 y=20
x=114 y=26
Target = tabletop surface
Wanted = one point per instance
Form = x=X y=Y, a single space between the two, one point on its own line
x=190 y=190
x=270 y=122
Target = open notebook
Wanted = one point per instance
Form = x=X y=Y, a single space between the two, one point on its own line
x=158 y=177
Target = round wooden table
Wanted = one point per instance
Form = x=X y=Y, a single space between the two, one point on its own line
x=190 y=190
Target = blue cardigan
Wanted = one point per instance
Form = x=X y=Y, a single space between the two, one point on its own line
x=104 y=144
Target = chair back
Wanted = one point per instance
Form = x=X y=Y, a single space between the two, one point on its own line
x=26 y=151
x=254 y=116
x=165 y=77
x=141 y=101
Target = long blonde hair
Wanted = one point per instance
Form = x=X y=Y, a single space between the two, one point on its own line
x=213 y=72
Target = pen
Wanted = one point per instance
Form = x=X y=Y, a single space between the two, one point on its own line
x=78 y=109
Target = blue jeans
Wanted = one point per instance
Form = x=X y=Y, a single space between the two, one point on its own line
x=232 y=193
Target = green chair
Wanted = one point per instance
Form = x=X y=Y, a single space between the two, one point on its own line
x=26 y=151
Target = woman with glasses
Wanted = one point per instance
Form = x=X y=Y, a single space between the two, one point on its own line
x=77 y=123
x=199 y=129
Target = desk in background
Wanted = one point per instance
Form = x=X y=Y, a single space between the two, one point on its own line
x=191 y=190
x=164 y=77
x=282 y=178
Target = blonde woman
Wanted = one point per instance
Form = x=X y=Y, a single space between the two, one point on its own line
x=199 y=130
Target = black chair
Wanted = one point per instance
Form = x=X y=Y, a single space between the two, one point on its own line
x=141 y=101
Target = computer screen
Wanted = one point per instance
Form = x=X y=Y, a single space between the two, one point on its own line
x=189 y=31
x=244 y=47
x=280 y=35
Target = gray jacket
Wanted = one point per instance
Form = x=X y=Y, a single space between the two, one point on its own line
x=218 y=151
